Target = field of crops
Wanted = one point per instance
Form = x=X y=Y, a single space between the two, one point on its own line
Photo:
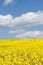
x=21 y=52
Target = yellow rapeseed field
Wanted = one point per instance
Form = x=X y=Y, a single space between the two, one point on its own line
x=21 y=52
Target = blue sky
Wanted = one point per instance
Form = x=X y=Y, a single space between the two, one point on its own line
x=21 y=19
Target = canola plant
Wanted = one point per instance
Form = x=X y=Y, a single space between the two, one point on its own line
x=21 y=52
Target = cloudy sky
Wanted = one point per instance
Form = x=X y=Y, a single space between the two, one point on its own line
x=21 y=19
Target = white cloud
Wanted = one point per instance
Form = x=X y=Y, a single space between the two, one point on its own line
x=17 y=31
x=23 y=21
x=28 y=19
x=19 y=24
x=30 y=35
x=5 y=20
x=6 y=2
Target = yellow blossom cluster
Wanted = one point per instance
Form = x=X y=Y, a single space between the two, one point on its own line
x=22 y=54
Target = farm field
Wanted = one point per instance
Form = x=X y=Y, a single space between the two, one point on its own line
x=21 y=52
